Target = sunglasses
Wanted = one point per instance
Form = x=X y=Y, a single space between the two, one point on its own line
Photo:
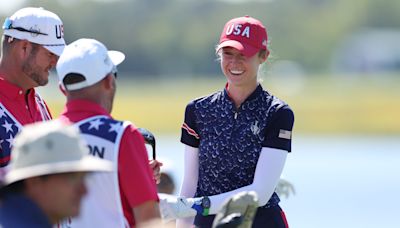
x=149 y=139
x=114 y=71
x=8 y=25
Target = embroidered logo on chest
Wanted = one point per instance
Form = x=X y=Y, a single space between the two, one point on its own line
x=255 y=128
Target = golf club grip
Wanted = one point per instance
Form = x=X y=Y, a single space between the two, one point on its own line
x=149 y=139
x=154 y=150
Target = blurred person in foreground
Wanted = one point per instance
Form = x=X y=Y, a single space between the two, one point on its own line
x=128 y=197
x=45 y=183
x=32 y=40
x=236 y=139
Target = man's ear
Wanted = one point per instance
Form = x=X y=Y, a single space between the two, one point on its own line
x=24 y=47
x=264 y=57
x=61 y=87
x=109 y=81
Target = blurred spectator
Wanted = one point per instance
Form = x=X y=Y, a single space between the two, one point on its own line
x=45 y=183
x=166 y=184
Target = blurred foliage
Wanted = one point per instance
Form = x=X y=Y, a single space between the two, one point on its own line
x=177 y=37
x=167 y=38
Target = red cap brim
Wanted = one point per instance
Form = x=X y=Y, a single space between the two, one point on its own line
x=245 y=49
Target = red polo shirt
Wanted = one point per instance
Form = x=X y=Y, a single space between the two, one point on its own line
x=136 y=188
x=25 y=107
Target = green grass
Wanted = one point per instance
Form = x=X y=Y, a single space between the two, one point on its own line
x=322 y=105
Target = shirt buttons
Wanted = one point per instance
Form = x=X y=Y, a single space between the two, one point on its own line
x=20 y=92
x=26 y=106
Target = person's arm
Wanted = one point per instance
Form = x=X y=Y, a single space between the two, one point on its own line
x=191 y=171
x=146 y=212
x=134 y=171
x=191 y=139
x=190 y=178
x=268 y=171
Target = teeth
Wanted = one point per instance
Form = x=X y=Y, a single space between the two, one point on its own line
x=236 y=71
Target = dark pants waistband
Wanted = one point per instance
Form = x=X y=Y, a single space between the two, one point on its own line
x=272 y=217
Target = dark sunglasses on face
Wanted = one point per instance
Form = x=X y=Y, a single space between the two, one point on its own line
x=8 y=25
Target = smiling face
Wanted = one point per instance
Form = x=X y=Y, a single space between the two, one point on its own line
x=37 y=64
x=239 y=70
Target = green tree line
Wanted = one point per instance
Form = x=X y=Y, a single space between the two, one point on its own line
x=177 y=37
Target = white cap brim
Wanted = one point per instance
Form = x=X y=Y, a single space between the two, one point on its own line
x=57 y=50
x=116 y=57
x=87 y=164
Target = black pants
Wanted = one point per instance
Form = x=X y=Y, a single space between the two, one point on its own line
x=273 y=217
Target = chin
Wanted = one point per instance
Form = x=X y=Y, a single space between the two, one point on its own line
x=75 y=212
x=44 y=83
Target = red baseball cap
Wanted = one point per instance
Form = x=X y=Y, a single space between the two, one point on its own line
x=246 y=34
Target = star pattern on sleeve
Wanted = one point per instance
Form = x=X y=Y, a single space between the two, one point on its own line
x=8 y=126
x=2 y=113
x=10 y=140
x=8 y=130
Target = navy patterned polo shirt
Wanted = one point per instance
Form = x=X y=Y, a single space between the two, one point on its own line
x=230 y=139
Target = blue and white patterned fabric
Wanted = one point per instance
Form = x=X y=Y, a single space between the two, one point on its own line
x=103 y=136
x=19 y=211
x=230 y=139
x=101 y=126
x=9 y=128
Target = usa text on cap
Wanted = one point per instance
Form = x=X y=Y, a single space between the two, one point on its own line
x=246 y=34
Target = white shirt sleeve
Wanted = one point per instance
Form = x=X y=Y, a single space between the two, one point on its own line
x=268 y=171
x=190 y=178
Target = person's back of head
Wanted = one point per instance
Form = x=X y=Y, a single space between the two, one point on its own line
x=83 y=65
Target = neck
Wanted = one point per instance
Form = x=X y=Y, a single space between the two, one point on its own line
x=240 y=94
x=8 y=71
x=43 y=203
x=91 y=95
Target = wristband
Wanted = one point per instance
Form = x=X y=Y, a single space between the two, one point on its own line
x=206 y=204
x=202 y=206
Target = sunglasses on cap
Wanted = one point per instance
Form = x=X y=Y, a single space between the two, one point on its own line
x=8 y=25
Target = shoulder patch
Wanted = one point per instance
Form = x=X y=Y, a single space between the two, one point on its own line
x=285 y=134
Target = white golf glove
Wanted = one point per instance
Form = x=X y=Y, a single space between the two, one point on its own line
x=176 y=207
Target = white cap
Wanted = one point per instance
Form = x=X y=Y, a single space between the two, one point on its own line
x=89 y=58
x=49 y=148
x=37 y=25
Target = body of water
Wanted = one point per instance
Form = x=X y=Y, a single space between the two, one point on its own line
x=340 y=181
